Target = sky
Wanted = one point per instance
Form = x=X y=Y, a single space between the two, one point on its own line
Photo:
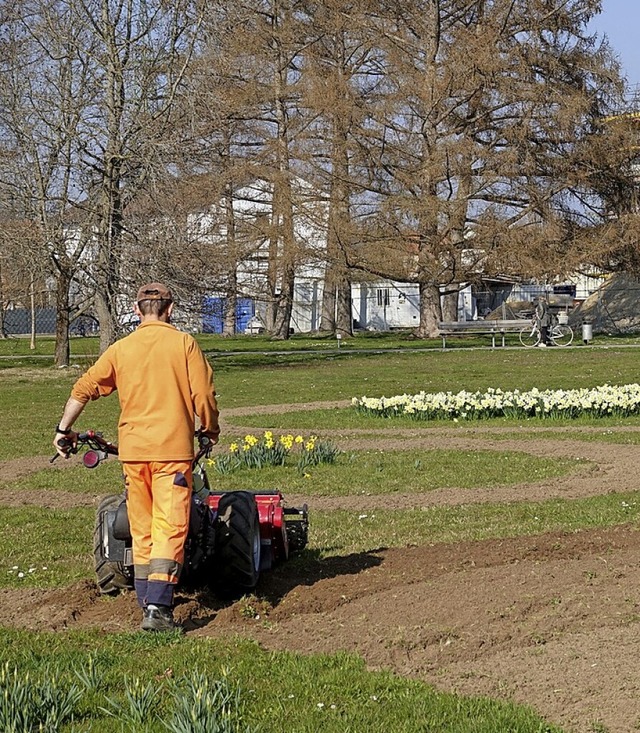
x=620 y=22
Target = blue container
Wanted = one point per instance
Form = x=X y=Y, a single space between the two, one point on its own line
x=213 y=314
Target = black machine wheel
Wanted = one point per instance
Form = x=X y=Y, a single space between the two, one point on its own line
x=237 y=542
x=112 y=577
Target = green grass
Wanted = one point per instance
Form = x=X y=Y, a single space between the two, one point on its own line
x=76 y=479
x=279 y=691
x=382 y=472
x=31 y=403
x=50 y=547
x=343 y=532
x=352 y=375
x=617 y=437
x=301 y=376
x=214 y=344
x=355 y=472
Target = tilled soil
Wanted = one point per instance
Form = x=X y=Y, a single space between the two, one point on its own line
x=552 y=621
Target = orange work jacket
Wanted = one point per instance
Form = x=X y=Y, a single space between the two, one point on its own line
x=162 y=378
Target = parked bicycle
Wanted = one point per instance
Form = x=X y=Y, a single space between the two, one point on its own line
x=559 y=334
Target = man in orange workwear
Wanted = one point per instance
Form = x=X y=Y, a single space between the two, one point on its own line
x=163 y=382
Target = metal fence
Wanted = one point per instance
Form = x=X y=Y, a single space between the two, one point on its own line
x=18 y=321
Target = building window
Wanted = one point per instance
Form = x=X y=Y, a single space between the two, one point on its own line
x=383 y=296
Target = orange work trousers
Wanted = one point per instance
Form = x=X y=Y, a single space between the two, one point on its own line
x=158 y=505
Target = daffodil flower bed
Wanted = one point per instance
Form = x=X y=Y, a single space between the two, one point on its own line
x=604 y=401
x=269 y=450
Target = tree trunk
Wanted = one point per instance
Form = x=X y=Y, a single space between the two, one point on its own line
x=344 y=319
x=272 y=278
x=336 y=298
x=231 y=301
x=328 y=313
x=230 y=309
x=110 y=205
x=62 y=351
x=105 y=314
x=107 y=265
x=3 y=331
x=450 y=306
x=285 y=305
x=430 y=310
x=283 y=203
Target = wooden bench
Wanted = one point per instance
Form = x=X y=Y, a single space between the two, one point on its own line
x=493 y=328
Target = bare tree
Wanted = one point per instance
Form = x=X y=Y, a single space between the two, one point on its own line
x=218 y=138
x=139 y=55
x=247 y=121
x=42 y=87
x=88 y=92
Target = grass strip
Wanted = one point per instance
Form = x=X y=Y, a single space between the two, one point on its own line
x=76 y=479
x=344 y=532
x=604 y=435
x=278 y=691
x=382 y=472
x=45 y=548
x=353 y=375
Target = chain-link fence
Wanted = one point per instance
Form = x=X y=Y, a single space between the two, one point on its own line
x=20 y=321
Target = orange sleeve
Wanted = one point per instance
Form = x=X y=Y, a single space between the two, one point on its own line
x=98 y=381
x=203 y=394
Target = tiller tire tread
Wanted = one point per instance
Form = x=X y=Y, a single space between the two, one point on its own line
x=237 y=556
x=112 y=577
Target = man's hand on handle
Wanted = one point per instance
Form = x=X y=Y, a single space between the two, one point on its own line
x=65 y=442
x=206 y=440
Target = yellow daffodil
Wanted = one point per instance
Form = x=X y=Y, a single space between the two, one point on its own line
x=233 y=447
x=299 y=439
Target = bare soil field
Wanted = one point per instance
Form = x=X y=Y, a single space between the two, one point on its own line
x=552 y=621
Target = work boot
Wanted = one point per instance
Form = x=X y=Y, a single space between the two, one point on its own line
x=158 y=618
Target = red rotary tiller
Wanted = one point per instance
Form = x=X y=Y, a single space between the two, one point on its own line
x=233 y=535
